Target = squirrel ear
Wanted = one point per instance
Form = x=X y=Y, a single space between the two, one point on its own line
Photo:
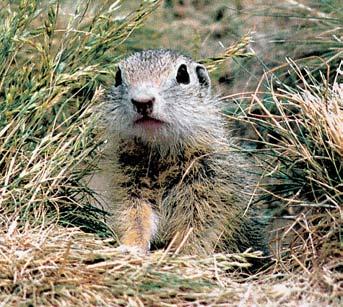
x=203 y=76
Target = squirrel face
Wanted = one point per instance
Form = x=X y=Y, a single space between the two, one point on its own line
x=163 y=97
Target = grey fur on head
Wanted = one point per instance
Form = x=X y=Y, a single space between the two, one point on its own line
x=181 y=89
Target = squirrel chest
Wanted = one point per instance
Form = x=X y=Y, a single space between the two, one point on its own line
x=148 y=174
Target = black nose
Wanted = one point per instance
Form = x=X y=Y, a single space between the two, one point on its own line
x=144 y=106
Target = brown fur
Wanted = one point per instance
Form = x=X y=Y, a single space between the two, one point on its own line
x=199 y=190
x=184 y=178
x=136 y=227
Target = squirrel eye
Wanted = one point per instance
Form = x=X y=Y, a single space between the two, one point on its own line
x=118 y=78
x=182 y=75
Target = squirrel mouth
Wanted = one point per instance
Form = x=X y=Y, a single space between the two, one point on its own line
x=149 y=122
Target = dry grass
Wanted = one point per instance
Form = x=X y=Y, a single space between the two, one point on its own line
x=52 y=266
x=300 y=149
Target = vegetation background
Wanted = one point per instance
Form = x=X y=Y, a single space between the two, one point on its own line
x=277 y=66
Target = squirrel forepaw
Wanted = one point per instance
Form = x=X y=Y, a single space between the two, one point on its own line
x=132 y=249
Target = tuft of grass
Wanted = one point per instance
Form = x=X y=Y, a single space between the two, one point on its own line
x=236 y=50
x=300 y=134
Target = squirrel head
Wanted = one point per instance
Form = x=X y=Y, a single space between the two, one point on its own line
x=162 y=97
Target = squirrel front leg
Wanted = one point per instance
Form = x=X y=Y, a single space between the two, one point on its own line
x=138 y=226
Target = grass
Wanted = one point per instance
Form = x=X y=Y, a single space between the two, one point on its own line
x=300 y=147
x=57 y=59
x=52 y=266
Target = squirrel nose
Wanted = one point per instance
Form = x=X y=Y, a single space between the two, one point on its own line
x=144 y=106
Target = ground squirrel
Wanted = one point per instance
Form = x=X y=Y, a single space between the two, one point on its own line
x=175 y=170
